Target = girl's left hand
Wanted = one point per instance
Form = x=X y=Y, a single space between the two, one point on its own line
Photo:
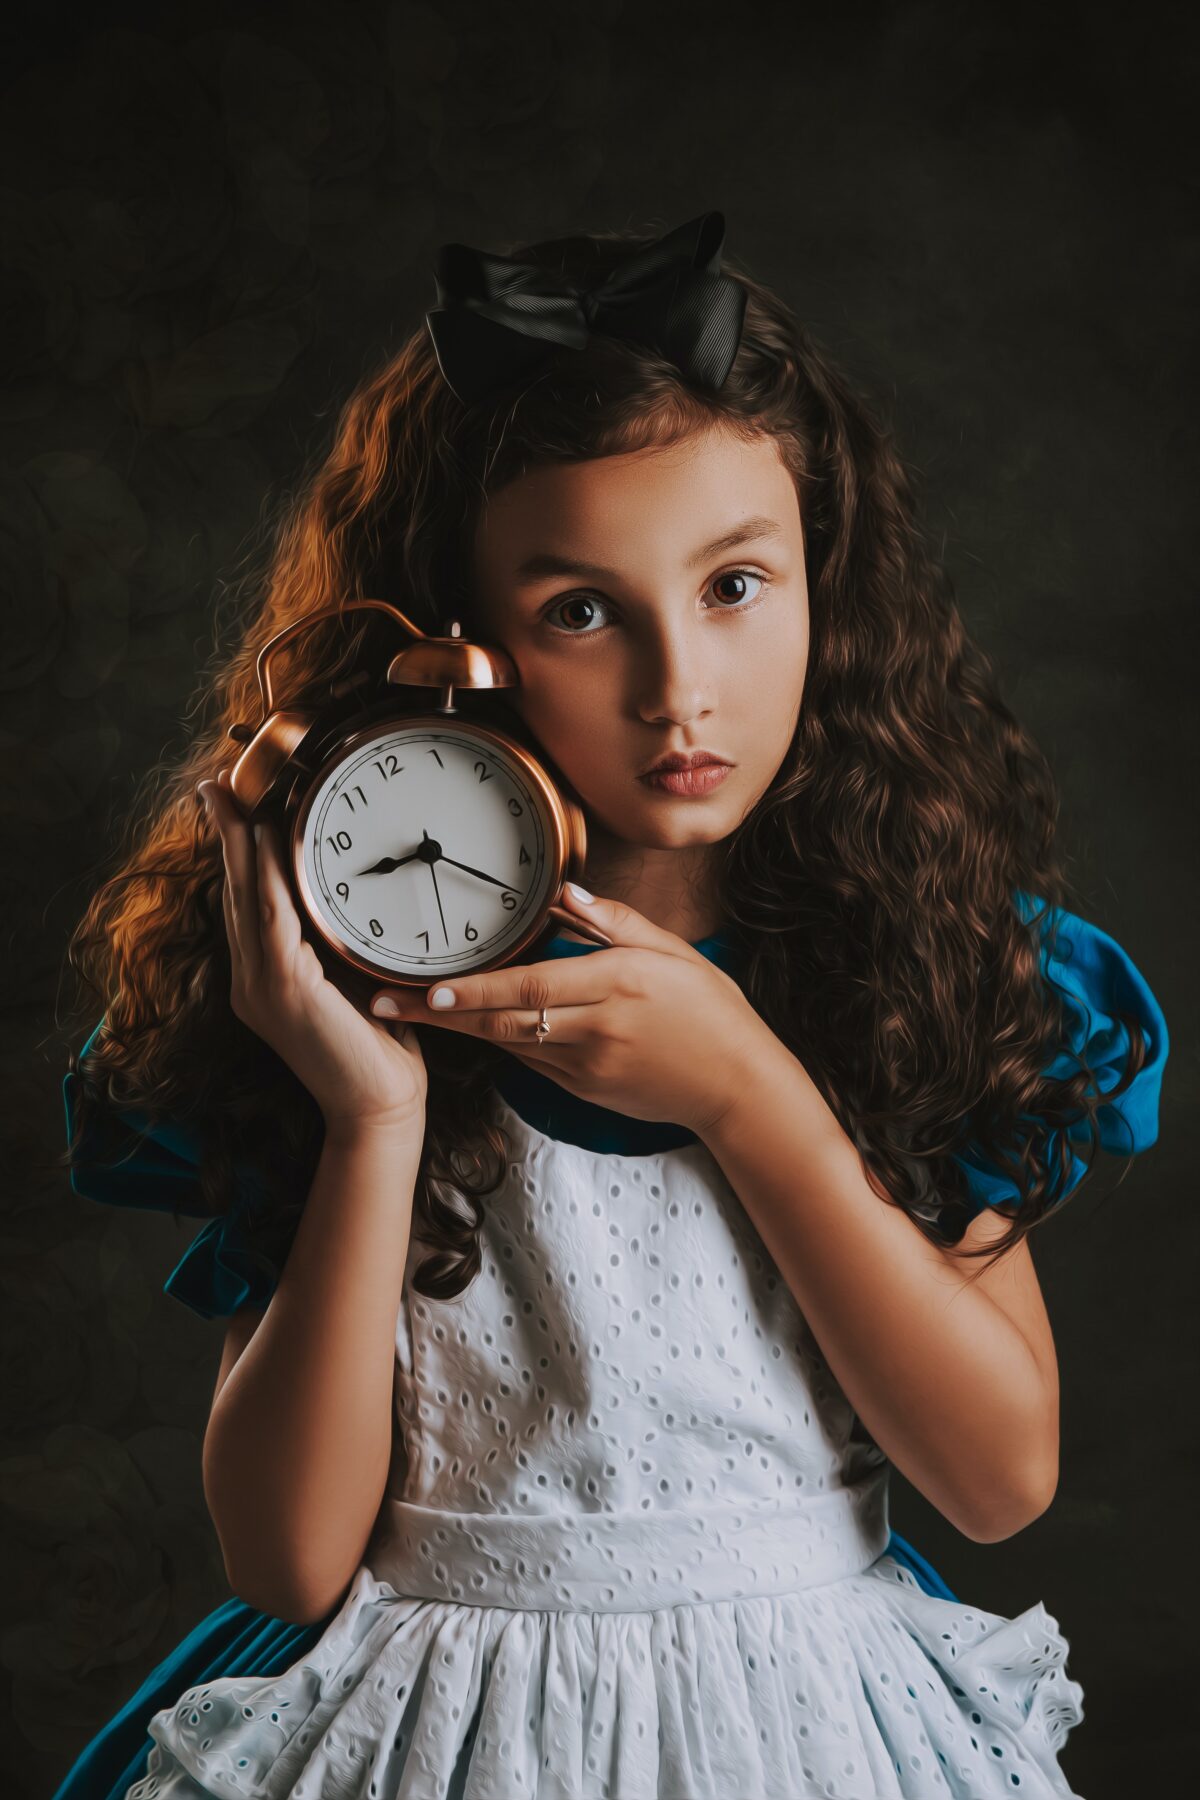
x=649 y=1027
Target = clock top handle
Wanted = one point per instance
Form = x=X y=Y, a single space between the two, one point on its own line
x=447 y=662
x=267 y=654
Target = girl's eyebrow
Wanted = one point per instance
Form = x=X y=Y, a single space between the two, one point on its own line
x=548 y=562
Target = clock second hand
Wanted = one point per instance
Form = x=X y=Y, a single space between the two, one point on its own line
x=437 y=890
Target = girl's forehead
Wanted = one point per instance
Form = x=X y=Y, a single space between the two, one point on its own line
x=715 y=478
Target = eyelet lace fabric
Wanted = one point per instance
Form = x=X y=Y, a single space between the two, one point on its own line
x=634 y=1548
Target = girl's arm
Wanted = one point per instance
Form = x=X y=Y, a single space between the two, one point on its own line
x=952 y=1372
x=299 y=1440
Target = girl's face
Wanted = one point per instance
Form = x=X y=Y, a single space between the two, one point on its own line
x=654 y=601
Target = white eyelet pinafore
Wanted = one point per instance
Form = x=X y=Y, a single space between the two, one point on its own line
x=634 y=1549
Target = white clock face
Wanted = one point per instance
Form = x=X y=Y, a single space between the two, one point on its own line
x=428 y=849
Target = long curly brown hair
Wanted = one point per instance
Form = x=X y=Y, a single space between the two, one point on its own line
x=869 y=895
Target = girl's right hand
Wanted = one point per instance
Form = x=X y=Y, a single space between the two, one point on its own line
x=363 y=1072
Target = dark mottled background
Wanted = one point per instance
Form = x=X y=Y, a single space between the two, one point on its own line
x=211 y=218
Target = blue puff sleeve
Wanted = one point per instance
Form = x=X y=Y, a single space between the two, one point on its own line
x=1097 y=980
x=228 y=1264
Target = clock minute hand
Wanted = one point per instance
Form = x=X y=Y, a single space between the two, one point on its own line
x=470 y=871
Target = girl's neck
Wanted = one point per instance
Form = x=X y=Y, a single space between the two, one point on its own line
x=671 y=888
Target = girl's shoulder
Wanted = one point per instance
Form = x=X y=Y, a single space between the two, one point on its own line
x=1100 y=987
x=124 y=1160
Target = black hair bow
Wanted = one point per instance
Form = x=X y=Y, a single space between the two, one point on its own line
x=498 y=321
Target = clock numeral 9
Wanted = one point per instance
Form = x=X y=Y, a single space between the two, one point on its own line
x=343 y=890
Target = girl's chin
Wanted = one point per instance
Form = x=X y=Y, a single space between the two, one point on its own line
x=657 y=824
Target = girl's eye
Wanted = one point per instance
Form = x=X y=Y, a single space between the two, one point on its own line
x=735 y=602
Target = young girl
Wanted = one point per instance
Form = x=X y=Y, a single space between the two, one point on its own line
x=563 y=1372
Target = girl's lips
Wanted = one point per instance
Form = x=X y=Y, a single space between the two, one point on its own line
x=689 y=781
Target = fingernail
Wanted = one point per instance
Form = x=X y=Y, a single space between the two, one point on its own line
x=442 y=996
x=580 y=893
x=386 y=1007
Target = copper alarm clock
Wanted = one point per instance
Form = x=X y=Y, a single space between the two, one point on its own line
x=421 y=844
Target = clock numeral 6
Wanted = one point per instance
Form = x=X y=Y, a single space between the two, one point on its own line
x=470 y=933
x=508 y=901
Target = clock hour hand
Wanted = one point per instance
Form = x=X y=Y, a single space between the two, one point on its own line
x=386 y=864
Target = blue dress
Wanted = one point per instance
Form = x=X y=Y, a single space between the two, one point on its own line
x=226 y=1266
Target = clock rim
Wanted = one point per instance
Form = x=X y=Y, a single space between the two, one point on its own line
x=565 y=838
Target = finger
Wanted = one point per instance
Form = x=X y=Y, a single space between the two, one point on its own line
x=235 y=954
x=279 y=922
x=514 y=1027
x=590 y=978
x=214 y=812
x=241 y=882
